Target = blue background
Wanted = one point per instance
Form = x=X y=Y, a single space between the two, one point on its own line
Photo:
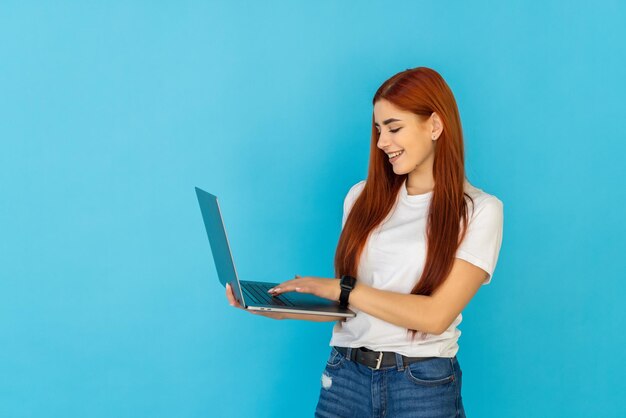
x=111 y=114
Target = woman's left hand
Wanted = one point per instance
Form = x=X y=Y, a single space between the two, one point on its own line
x=318 y=286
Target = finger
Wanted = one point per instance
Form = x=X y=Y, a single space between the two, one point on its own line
x=231 y=297
x=287 y=286
x=229 y=294
x=278 y=287
x=295 y=287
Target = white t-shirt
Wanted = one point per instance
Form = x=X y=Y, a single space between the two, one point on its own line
x=393 y=259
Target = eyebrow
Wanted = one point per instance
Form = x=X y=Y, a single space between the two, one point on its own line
x=388 y=121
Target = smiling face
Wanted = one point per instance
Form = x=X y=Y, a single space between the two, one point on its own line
x=401 y=130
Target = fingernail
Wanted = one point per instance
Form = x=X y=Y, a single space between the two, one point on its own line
x=271 y=290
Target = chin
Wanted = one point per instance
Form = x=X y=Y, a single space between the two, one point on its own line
x=399 y=171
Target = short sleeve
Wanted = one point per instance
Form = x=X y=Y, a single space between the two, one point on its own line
x=481 y=245
x=349 y=200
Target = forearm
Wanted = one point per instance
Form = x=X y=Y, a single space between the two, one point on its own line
x=314 y=318
x=401 y=309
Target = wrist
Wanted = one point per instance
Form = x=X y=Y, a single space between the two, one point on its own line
x=347 y=284
x=337 y=289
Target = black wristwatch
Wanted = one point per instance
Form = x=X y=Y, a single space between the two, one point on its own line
x=347 y=284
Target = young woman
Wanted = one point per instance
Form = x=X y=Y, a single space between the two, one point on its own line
x=420 y=240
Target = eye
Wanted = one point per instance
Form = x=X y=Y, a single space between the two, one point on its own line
x=394 y=130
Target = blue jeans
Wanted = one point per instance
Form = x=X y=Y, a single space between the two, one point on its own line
x=424 y=389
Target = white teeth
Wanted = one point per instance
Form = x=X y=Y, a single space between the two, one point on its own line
x=395 y=154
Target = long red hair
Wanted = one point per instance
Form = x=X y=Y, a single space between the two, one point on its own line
x=422 y=91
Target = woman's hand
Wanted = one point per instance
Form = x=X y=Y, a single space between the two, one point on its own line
x=318 y=286
x=324 y=288
x=233 y=302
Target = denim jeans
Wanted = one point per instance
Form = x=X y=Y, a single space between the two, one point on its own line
x=423 y=389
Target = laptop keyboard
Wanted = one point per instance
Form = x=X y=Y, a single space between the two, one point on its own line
x=258 y=291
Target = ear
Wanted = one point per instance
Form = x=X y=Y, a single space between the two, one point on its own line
x=437 y=126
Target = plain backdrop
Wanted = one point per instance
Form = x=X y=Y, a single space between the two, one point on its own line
x=111 y=113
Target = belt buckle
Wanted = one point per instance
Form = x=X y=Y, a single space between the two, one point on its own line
x=379 y=360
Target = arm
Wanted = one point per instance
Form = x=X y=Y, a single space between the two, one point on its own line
x=432 y=314
x=314 y=318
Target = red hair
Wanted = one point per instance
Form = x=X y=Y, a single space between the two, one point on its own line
x=422 y=91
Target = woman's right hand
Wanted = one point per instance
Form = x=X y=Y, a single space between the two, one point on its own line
x=231 y=297
x=233 y=302
x=279 y=315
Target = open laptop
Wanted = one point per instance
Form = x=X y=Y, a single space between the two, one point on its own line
x=253 y=294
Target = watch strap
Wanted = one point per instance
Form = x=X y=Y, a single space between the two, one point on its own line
x=347 y=284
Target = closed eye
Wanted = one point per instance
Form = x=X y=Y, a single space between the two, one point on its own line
x=390 y=130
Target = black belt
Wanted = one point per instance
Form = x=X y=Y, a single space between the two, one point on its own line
x=377 y=359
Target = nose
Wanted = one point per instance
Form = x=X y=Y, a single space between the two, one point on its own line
x=383 y=141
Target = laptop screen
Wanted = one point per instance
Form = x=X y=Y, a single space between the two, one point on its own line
x=214 y=225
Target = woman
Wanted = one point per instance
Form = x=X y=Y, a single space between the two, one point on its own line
x=420 y=241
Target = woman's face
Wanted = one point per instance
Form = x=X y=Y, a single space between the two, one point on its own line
x=401 y=130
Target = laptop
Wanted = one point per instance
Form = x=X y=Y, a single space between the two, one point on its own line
x=253 y=294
